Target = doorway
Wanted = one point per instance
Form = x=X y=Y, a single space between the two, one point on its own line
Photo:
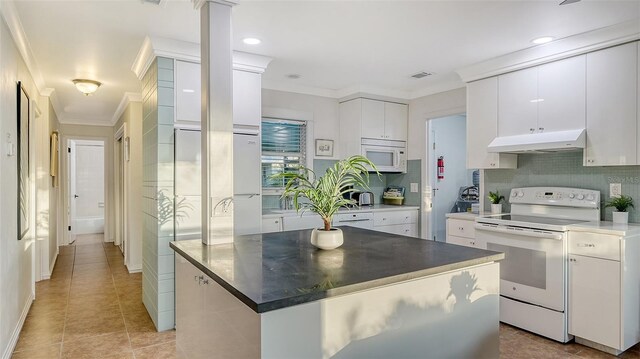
x=85 y=190
x=448 y=175
x=121 y=192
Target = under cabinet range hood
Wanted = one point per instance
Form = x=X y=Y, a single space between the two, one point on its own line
x=571 y=140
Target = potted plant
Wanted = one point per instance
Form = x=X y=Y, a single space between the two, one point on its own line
x=495 y=198
x=327 y=194
x=621 y=204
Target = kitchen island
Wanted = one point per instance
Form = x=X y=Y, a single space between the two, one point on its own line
x=379 y=295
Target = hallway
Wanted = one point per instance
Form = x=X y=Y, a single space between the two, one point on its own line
x=91 y=308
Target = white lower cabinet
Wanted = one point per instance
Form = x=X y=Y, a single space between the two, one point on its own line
x=301 y=222
x=270 y=225
x=594 y=299
x=462 y=232
x=604 y=290
x=403 y=223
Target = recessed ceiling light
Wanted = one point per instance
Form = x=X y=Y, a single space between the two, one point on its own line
x=85 y=86
x=293 y=76
x=542 y=40
x=251 y=41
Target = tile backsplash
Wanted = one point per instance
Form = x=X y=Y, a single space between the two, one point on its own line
x=566 y=170
x=377 y=184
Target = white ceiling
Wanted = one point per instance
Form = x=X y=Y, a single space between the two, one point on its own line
x=336 y=46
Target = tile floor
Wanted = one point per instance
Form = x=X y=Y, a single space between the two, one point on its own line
x=92 y=308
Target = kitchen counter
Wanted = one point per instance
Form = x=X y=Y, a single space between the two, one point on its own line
x=275 y=213
x=606 y=227
x=277 y=270
x=470 y=216
x=379 y=295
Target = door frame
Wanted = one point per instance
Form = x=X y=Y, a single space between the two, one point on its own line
x=65 y=171
x=120 y=207
x=426 y=219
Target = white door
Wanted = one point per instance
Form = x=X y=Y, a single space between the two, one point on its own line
x=88 y=204
x=71 y=190
x=247 y=203
x=121 y=196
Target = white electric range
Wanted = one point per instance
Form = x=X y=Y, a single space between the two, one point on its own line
x=533 y=275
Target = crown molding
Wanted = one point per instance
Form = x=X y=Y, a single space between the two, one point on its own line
x=556 y=50
x=75 y=121
x=198 y=4
x=126 y=99
x=153 y=47
x=10 y=14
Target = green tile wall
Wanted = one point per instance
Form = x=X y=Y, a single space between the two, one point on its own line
x=405 y=179
x=157 y=258
x=566 y=170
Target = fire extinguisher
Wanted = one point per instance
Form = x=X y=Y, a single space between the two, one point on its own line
x=440 y=168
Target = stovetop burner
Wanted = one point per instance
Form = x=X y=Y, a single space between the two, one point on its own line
x=535 y=219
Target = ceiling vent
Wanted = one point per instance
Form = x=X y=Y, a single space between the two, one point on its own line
x=422 y=74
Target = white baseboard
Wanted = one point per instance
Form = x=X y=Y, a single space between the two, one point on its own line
x=134 y=269
x=16 y=331
x=51 y=266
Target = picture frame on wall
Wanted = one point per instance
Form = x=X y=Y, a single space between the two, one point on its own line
x=324 y=148
x=23 y=119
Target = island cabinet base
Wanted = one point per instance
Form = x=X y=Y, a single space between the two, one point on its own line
x=449 y=315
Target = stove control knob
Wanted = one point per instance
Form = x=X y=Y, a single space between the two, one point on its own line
x=590 y=197
x=581 y=196
x=520 y=194
x=514 y=193
x=572 y=195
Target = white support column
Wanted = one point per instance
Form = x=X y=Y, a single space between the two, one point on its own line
x=217 y=121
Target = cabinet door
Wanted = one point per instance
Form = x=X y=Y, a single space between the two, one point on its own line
x=350 y=128
x=594 y=300
x=409 y=230
x=372 y=119
x=304 y=222
x=562 y=95
x=611 y=106
x=395 y=121
x=461 y=241
x=272 y=225
x=189 y=304
x=518 y=102
x=247 y=105
x=482 y=126
x=188 y=92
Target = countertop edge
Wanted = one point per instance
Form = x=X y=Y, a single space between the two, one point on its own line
x=359 y=210
x=606 y=227
x=307 y=298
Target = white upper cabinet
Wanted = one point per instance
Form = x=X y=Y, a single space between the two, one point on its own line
x=384 y=120
x=395 y=121
x=482 y=126
x=545 y=98
x=612 y=98
x=372 y=118
x=562 y=95
x=517 y=102
x=247 y=98
x=188 y=91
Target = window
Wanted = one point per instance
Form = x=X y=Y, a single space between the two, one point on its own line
x=284 y=144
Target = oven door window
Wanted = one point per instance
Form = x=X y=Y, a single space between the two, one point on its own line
x=522 y=265
x=380 y=158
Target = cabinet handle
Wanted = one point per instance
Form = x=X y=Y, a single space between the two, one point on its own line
x=461 y=228
x=205 y=281
x=277 y=222
x=541 y=129
x=532 y=130
x=473 y=243
x=588 y=245
x=196 y=278
x=572 y=260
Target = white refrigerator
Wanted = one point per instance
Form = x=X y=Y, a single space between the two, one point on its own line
x=247 y=203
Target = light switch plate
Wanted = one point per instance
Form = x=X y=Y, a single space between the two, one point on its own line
x=414 y=187
x=615 y=190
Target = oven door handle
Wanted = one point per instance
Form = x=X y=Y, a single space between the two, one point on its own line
x=527 y=233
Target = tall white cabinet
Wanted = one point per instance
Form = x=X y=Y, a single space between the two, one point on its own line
x=612 y=98
x=482 y=126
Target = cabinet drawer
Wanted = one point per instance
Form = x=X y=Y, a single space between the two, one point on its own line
x=461 y=228
x=395 y=217
x=461 y=241
x=409 y=229
x=595 y=245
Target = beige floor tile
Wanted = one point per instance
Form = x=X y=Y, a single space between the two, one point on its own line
x=115 y=345
x=161 y=351
x=39 y=352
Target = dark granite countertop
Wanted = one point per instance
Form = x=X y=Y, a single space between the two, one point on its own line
x=277 y=270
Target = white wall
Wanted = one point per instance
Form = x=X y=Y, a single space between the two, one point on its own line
x=104 y=133
x=16 y=265
x=132 y=116
x=323 y=109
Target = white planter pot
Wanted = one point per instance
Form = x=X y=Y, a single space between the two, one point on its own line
x=620 y=217
x=496 y=208
x=327 y=239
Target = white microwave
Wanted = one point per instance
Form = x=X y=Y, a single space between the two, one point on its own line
x=387 y=155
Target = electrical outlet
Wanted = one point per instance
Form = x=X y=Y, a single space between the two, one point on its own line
x=615 y=190
x=414 y=187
